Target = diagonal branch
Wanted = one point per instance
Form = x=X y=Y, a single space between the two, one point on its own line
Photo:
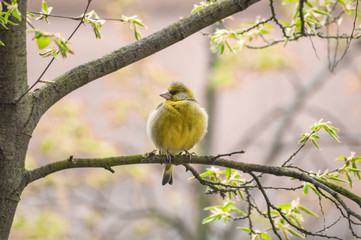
x=77 y=77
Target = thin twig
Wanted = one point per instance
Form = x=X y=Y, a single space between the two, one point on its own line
x=210 y=184
x=351 y=35
x=273 y=12
x=75 y=18
x=298 y=150
x=228 y=154
x=52 y=60
x=268 y=203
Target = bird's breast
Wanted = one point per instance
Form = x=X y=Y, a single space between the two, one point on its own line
x=177 y=126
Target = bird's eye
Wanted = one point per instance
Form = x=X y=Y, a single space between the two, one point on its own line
x=174 y=92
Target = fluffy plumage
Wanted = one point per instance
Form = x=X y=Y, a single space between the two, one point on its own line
x=177 y=124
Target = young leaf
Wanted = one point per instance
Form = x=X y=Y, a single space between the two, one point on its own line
x=306 y=187
x=307 y=211
x=246 y=230
x=210 y=219
x=297 y=234
x=265 y=236
x=43 y=42
x=284 y=206
x=44 y=6
x=227 y=206
x=228 y=173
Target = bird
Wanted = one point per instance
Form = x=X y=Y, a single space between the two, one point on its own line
x=176 y=125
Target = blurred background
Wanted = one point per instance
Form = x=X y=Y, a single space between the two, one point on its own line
x=259 y=101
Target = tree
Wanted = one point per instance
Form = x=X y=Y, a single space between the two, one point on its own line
x=22 y=109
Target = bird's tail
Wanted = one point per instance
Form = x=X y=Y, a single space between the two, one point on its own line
x=167 y=174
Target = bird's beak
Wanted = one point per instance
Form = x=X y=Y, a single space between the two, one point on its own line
x=166 y=95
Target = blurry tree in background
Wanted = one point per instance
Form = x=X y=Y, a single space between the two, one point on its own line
x=267 y=74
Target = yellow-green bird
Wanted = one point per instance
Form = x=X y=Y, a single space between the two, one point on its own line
x=177 y=124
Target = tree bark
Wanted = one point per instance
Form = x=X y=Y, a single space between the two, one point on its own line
x=14 y=138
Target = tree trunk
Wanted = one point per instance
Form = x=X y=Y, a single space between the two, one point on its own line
x=14 y=137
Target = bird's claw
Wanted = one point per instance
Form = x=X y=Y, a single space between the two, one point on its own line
x=189 y=155
x=169 y=157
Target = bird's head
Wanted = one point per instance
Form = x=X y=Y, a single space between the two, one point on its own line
x=177 y=91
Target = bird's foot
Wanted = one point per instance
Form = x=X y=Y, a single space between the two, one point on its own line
x=189 y=154
x=169 y=157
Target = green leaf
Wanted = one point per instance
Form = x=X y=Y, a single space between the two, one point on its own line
x=1 y=43
x=298 y=25
x=96 y=30
x=246 y=230
x=302 y=139
x=16 y=14
x=307 y=211
x=206 y=174
x=31 y=14
x=228 y=173
x=240 y=194
x=265 y=236
x=137 y=35
x=321 y=12
x=297 y=234
x=209 y=208
x=315 y=190
x=237 y=210
x=284 y=2
x=263 y=31
x=269 y=26
x=314 y=143
x=336 y=179
x=312 y=20
x=55 y=54
x=306 y=188
x=44 y=6
x=349 y=179
x=284 y=23
x=354 y=169
x=43 y=42
x=314 y=136
x=138 y=22
x=210 y=219
x=222 y=49
x=284 y=206
x=49 y=53
x=227 y=206
x=275 y=212
x=342 y=2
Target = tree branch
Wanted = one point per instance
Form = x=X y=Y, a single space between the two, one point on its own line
x=75 y=78
x=268 y=204
x=151 y=158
